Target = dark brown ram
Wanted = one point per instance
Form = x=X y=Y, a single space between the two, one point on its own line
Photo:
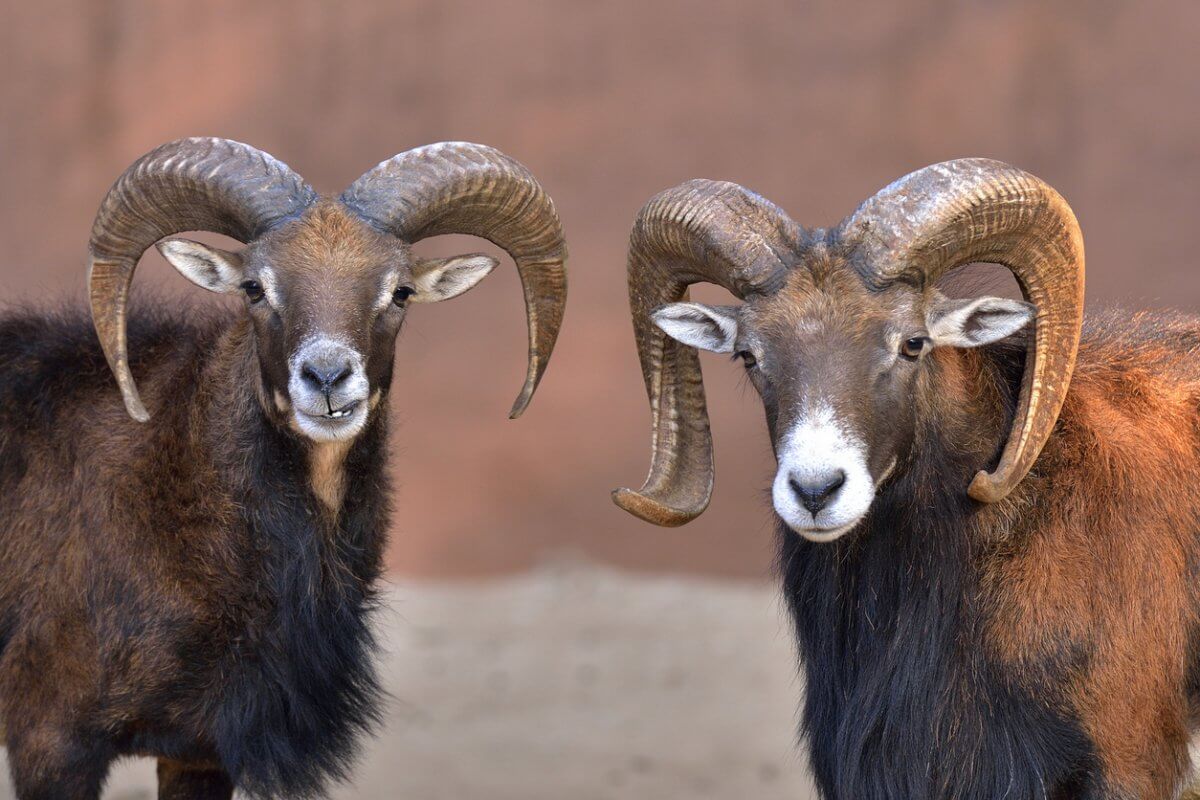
x=1029 y=632
x=193 y=584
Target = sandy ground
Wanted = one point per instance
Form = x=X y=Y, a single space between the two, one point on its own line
x=576 y=681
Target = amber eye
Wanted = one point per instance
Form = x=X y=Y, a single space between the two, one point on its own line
x=748 y=359
x=914 y=347
x=253 y=290
x=401 y=295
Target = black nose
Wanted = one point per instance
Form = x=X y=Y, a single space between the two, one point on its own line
x=324 y=377
x=815 y=493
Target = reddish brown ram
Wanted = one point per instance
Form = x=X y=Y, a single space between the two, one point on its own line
x=1026 y=633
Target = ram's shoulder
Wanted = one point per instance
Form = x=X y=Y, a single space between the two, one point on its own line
x=30 y=333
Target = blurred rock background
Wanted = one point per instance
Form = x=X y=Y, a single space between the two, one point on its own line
x=814 y=104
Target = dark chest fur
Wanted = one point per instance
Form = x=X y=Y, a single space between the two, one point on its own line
x=300 y=686
x=901 y=700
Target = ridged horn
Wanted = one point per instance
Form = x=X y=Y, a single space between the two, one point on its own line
x=190 y=184
x=974 y=209
x=458 y=187
x=701 y=230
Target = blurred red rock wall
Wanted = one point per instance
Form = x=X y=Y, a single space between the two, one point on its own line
x=814 y=104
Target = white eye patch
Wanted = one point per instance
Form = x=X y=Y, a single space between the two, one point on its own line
x=266 y=277
x=387 y=289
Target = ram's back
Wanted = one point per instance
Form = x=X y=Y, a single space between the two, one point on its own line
x=1136 y=344
x=54 y=376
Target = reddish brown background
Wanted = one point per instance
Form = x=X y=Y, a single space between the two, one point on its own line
x=816 y=105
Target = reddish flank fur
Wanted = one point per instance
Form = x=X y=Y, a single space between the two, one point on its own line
x=1113 y=563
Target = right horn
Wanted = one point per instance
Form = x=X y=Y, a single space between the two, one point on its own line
x=975 y=209
x=699 y=231
x=460 y=187
x=213 y=185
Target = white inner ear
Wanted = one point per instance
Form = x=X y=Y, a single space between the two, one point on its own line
x=971 y=323
x=712 y=328
x=209 y=267
x=438 y=279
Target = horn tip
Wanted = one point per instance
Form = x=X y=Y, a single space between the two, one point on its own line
x=531 y=383
x=988 y=488
x=653 y=511
x=133 y=405
x=520 y=404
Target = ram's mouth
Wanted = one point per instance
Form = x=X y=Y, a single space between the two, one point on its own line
x=331 y=414
x=339 y=413
x=331 y=423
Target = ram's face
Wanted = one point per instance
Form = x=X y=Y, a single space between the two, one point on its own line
x=327 y=295
x=838 y=365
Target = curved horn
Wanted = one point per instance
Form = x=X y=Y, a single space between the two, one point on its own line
x=458 y=187
x=191 y=184
x=975 y=209
x=708 y=231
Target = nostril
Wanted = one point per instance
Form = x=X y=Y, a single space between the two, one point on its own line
x=814 y=494
x=311 y=375
x=340 y=376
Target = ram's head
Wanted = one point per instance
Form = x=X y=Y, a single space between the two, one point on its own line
x=839 y=328
x=326 y=281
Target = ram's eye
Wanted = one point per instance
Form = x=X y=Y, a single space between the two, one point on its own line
x=748 y=359
x=914 y=347
x=401 y=295
x=253 y=290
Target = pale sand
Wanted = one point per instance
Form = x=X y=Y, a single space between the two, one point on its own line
x=577 y=682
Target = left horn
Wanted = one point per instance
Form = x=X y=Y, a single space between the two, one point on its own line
x=699 y=231
x=458 y=187
x=190 y=184
x=974 y=209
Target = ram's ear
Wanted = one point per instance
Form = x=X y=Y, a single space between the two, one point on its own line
x=712 y=328
x=209 y=267
x=437 y=279
x=972 y=323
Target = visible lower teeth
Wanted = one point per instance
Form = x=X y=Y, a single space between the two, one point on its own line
x=338 y=414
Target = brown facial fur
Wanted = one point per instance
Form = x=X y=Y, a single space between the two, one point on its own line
x=328 y=271
x=325 y=274
x=825 y=337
